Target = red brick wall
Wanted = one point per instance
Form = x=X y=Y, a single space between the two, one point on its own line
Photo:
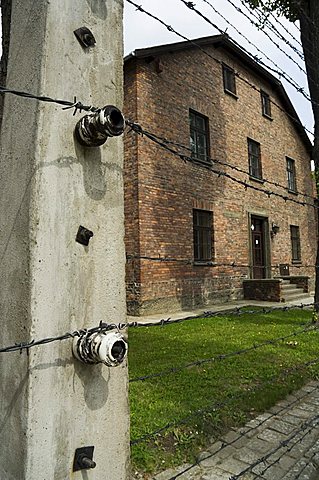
x=162 y=190
x=131 y=190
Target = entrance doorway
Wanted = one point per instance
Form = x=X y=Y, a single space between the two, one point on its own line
x=258 y=227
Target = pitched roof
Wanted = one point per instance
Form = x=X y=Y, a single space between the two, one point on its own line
x=224 y=42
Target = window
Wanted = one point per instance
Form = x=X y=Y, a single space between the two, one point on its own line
x=265 y=104
x=229 y=80
x=291 y=175
x=199 y=136
x=254 y=159
x=203 y=236
x=295 y=243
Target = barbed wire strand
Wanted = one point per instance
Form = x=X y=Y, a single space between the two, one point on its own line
x=225 y=356
x=313 y=457
x=137 y=128
x=243 y=433
x=236 y=311
x=261 y=20
x=220 y=405
x=309 y=424
x=76 y=105
x=215 y=160
x=279 y=72
x=103 y=327
x=20 y=346
x=252 y=43
x=258 y=60
x=283 y=27
x=212 y=263
x=236 y=73
x=301 y=10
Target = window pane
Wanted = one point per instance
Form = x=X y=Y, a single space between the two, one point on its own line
x=229 y=79
x=201 y=146
x=265 y=102
x=200 y=123
x=295 y=243
x=192 y=140
x=291 y=175
x=254 y=159
x=202 y=229
x=199 y=136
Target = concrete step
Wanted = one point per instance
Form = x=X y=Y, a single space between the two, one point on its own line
x=290 y=286
x=295 y=296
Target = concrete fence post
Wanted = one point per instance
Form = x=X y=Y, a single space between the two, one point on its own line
x=52 y=404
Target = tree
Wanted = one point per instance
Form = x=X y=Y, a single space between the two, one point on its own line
x=307 y=12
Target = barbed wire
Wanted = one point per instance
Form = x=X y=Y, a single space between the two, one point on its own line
x=284 y=28
x=225 y=356
x=313 y=457
x=262 y=20
x=309 y=424
x=76 y=105
x=215 y=160
x=236 y=311
x=260 y=16
x=140 y=131
x=243 y=433
x=236 y=73
x=258 y=60
x=220 y=405
x=212 y=263
x=252 y=43
x=20 y=346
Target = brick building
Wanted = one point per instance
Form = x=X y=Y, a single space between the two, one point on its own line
x=194 y=237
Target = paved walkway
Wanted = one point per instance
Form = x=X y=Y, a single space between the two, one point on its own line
x=282 y=444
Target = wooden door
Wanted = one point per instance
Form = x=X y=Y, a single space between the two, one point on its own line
x=258 y=247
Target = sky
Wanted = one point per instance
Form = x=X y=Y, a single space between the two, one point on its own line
x=140 y=31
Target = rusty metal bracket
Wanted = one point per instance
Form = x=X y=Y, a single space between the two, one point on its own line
x=83 y=236
x=83 y=459
x=85 y=37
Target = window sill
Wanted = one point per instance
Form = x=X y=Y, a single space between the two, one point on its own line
x=207 y=163
x=203 y=263
x=296 y=262
x=232 y=94
x=268 y=117
x=256 y=179
x=293 y=192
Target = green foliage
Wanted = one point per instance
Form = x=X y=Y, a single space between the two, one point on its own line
x=287 y=8
x=158 y=401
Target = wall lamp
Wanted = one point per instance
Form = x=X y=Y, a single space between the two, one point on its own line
x=274 y=229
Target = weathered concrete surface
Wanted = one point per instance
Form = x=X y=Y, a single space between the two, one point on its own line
x=282 y=444
x=51 y=404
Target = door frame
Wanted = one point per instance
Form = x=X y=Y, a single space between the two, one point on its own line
x=266 y=244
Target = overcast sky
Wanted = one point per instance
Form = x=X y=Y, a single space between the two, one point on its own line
x=140 y=31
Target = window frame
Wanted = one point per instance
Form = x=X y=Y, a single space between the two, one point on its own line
x=203 y=236
x=252 y=157
x=199 y=132
x=229 y=80
x=291 y=175
x=295 y=244
x=265 y=104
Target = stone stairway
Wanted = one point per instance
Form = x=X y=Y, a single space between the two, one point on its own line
x=291 y=292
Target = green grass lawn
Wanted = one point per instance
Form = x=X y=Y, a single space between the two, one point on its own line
x=246 y=384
